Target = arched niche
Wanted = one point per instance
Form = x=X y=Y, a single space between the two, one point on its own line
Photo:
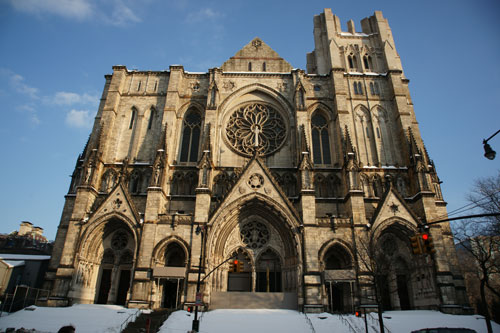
x=107 y=256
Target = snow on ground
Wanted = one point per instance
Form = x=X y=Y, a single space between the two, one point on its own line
x=406 y=321
x=273 y=321
x=108 y=318
x=86 y=318
x=241 y=321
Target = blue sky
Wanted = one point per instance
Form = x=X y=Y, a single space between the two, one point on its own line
x=54 y=54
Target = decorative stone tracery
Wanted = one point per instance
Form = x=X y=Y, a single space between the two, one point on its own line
x=256 y=128
x=254 y=235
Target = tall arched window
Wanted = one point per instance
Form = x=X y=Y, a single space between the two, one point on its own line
x=133 y=115
x=367 y=60
x=320 y=140
x=351 y=61
x=190 y=136
x=360 y=88
x=364 y=137
x=250 y=66
x=152 y=115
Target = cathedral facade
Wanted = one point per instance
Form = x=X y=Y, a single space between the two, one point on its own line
x=260 y=184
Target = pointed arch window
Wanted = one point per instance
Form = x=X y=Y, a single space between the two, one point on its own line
x=360 y=88
x=250 y=66
x=175 y=255
x=367 y=60
x=264 y=66
x=135 y=182
x=190 y=136
x=352 y=61
x=320 y=140
x=133 y=116
x=152 y=115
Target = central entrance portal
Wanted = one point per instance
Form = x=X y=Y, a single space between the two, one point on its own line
x=264 y=248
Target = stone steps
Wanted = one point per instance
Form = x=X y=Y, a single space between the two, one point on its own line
x=155 y=318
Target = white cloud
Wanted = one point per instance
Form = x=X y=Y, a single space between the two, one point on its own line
x=80 y=118
x=71 y=9
x=111 y=12
x=203 y=14
x=31 y=112
x=121 y=15
x=17 y=82
x=70 y=98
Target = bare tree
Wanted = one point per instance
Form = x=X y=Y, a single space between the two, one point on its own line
x=478 y=241
x=374 y=265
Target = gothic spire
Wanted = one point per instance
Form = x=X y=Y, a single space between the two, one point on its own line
x=414 y=150
x=350 y=151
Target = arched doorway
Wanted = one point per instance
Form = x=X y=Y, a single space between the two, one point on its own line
x=114 y=277
x=394 y=278
x=175 y=257
x=339 y=279
x=268 y=272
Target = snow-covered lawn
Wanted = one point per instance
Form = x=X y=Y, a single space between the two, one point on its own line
x=108 y=318
x=86 y=318
x=276 y=321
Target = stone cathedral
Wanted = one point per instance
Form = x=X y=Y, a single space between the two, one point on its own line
x=313 y=180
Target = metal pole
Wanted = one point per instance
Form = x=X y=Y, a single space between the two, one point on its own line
x=331 y=296
x=177 y=294
x=352 y=296
x=196 y=323
x=26 y=296
x=491 y=137
x=13 y=298
x=366 y=324
x=36 y=298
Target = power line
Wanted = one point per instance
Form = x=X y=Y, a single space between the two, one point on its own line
x=469 y=206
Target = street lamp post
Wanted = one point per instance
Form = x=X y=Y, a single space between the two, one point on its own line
x=196 y=322
x=489 y=153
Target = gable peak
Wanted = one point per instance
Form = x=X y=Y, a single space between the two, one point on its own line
x=256 y=56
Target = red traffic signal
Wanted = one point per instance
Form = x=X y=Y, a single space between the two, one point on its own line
x=357 y=313
x=428 y=244
x=190 y=309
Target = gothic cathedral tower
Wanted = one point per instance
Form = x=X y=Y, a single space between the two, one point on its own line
x=271 y=186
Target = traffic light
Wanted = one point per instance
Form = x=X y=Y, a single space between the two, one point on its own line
x=427 y=244
x=357 y=314
x=232 y=267
x=190 y=309
x=239 y=266
x=416 y=244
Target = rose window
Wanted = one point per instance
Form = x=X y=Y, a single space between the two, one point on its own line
x=256 y=128
x=119 y=240
x=254 y=234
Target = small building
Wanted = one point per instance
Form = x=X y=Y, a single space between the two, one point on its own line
x=22 y=269
x=10 y=275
